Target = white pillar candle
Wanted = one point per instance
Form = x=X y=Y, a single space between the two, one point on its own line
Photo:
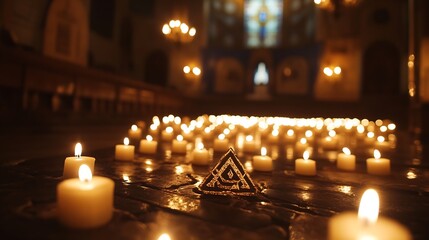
x=200 y=155
x=346 y=160
x=167 y=134
x=85 y=202
x=179 y=145
x=124 y=152
x=249 y=145
x=135 y=132
x=378 y=165
x=72 y=164
x=221 y=144
x=366 y=224
x=263 y=162
x=305 y=166
x=148 y=145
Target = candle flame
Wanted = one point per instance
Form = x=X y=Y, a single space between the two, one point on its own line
x=377 y=154
x=126 y=141
x=290 y=132
x=346 y=151
x=369 y=207
x=153 y=127
x=263 y=151
x=275 y=132
x=179 y=138
x=303 y=140
x=85 y=174
x=360 y=128
x=249 y=138
x=169 y=129
x=78 y=150
x=134 y=127
x=308 y=133
x=380 y=139
x=332 y=133
x=221 y=136
x=200 y=146
x=164 y=236
x=370 y=134
x=149 y=138
x=306 y=155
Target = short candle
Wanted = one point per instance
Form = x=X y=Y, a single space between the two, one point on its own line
x=305 y=166
x=263 y=162
x=124 y=152
x=378 y=165
x=179 y=145
x=148 y=145
x=220 y=144
x=366 y=224
x=72 y=164
x=135 y=132
x=346 y=160
x=200 y=155
x=85 y=202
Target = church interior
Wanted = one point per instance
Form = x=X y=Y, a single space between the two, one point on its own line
x=354 y=73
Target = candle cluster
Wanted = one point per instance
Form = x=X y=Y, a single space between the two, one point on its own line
x=323 y=138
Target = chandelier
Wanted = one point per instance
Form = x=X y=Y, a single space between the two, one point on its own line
x=178 y=31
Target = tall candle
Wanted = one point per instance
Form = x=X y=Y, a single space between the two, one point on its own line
x=85 y=202
x=124 y=151
x=378 y=165
x=148 y=145
x=366 y=224
x=305 y=166
x=220 y=144
x=135 y=132
x=200 y=155
x=72 y=164
x=346 y=160
x=263 y=162
x=179 y=145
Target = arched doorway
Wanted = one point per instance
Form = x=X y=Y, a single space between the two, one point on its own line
x=381 y=69
x=156 y=68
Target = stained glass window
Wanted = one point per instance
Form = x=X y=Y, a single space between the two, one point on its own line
x=262 y=22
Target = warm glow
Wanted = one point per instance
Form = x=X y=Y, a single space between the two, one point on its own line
x=169 y=129
x=221 y=136
x=303 y=141
x=166 y=29
x=179 y=138
x=308 y=133
x=370 y=134
x=126 y=141
x=196 y=71
x=327 y=71
x=306 y=155
x=337 y=70
x=377 y=154
x=380 y=139
x=263 y=151
x=172 y=24
x=153 y=127
x=186 y=69
x=391 y=126
x=290 y=132
x=346 y=151
x=192 y=32
x=164 y=236
x=134 y=127
x=369 y=207
x=317 y=1
x=383 y=128
x=249 y=138
x=200 y=146
x=360 y=128
x=78 y=150
x=184 y=28
x=149 y=138
x=126 y=178
x=332 y=133
x=275 y=132
x=85 y=174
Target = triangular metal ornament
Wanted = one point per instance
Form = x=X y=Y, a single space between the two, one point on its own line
x=228 y=177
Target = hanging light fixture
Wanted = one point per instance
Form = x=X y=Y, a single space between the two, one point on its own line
x=178 y=31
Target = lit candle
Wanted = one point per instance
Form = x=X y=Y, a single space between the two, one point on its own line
x=369 y=140
x=382 y=144
x=85 y=202
x=366 y=225
x=200 y=155
x=263 y=162
x=124 y=151
x=274 y=136
x=135 y=132
x=305 y=166
x=167 y=134
x=301 y=146
x=290 y=136
x=346 y=160
x=148 y=145
x=220 y=144
x=179 y=145
x=72 y=164
x=378 y=165
x=249 y=144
